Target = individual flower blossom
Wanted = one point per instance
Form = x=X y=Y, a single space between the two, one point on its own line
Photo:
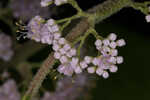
x=91 y=69
x=25 y=9
x=147 y=17
x=6 y=51
x=8 y=91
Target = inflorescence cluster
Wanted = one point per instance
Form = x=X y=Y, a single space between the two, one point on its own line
x=6 y=51
x=25 y=9
x=48 y=32
x=41 y=31
x=65 y=88
x=9 y=91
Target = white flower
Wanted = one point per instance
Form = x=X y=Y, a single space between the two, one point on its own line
x=55 y=28
x=113 y=45
x=78 y=70
x=105 y=49
x=88 y=59
x=147 y=18
x=51 y=22
x=98 y=47
x=112 y=37
x=91 y=70
x=106 y=42
x=46 y=39
x=55 y=42
x=99 y=71
x=56 y=47
x=62 y=51
x=121 y=42
x=114 y=52
x=66 y=47
x=72 y=52
x=105 y=74
x=68 y=54
x=74 y=62
x=63 y=59
x=119 y=59
x=57 y=36
x=98 y=43
x=57 y=55
x=61 y=41
x=83 y=64
x=112 y=60
x=95 y=61
x=113 y=68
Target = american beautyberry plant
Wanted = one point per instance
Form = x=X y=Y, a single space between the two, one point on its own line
x=66 y=37
x=67 y=48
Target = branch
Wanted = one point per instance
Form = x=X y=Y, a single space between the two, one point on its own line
x=108 y=8
x=143 y=7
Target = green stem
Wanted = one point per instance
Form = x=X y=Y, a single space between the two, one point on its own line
x=95 y=34
x=67 y=19
x=108 y=8
x=143 y=7
x=76 y=41
x=75 y=5
x=65 y=25
x=82 y=41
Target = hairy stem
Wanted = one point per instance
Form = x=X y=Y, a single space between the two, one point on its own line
x=108 y=8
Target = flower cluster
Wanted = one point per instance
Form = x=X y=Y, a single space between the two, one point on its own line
x=45 y=3
x=148 y=17
x=65 y=88
x=48 y=32
x=25 y=9
x=41 y=31
x=8 y=91
x=108 y=58
x=65 y=54
x=107 y=61
x=6 y=51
